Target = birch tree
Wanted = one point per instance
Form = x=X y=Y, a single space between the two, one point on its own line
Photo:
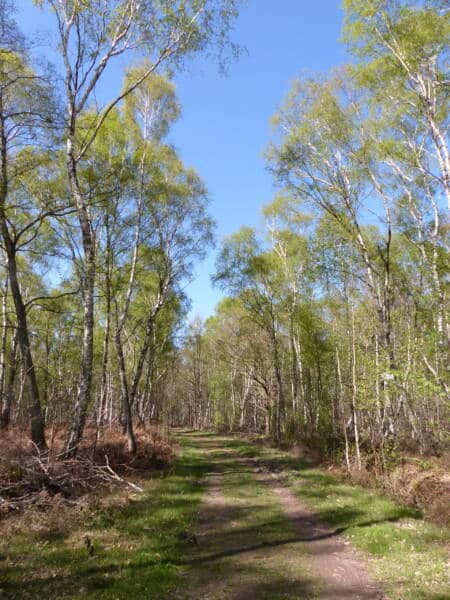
x=92 y=35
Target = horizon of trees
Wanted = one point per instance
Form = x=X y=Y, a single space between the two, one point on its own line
x=100 y=221
x=335 y=327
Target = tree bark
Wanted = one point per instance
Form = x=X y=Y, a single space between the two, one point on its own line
x=88 y=286
x=4 y=341
x=34 y=404
x=5 y=418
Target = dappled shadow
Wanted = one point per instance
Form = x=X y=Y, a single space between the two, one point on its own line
x=238 y=546
x=60 y=565
x=277 y=587
x=99 y=581
x=230 y=537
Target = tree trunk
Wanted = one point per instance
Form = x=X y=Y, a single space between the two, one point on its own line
x=280 y=405
x=4 y=341
x=34 y=404
x=105 y=356
x=88 y=286
x=126 y=404
x=354 y=392
x=5 y=419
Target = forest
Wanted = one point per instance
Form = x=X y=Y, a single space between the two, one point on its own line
x=335 y=327
x=333 y=330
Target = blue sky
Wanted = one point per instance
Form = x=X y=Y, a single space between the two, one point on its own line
x=225 y=123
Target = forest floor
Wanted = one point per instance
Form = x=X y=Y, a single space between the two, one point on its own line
x=229 y=520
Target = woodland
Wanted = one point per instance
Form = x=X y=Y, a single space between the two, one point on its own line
x=333 y=331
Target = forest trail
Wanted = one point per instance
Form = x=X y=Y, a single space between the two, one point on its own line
x=254 y=539
x=227 y=520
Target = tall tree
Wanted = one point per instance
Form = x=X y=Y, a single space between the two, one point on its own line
x=91 y=35
x=24 y=115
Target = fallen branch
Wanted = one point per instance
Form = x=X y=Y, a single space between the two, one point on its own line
x=120 y=479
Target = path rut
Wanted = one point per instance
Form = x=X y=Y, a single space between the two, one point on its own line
x=255 y=540
x=339 y=566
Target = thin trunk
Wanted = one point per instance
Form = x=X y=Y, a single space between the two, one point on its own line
x=4 y=341
x=34 y=403
x=280 y=404
x=126 y=404
x=5 y=419
x=294 y=373
x=87 y=285
x=341 y=403
x=128 y=395
x=105 y=354
x=354 y=392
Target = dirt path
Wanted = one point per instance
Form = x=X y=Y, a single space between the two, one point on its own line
x=254 y=540
x=341 y=569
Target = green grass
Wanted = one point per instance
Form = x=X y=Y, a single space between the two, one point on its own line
x=138 y=552
x=250 y=548
x=408 y=554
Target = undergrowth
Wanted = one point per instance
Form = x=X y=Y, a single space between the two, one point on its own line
x=134 y=544
x=409 y=555
x=33 y=482
x=129 y=549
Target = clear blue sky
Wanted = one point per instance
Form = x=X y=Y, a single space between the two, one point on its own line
x=225 y=122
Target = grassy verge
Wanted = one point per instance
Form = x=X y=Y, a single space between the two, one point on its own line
x=246 y=545
x=408 y=555
x=136 y=549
